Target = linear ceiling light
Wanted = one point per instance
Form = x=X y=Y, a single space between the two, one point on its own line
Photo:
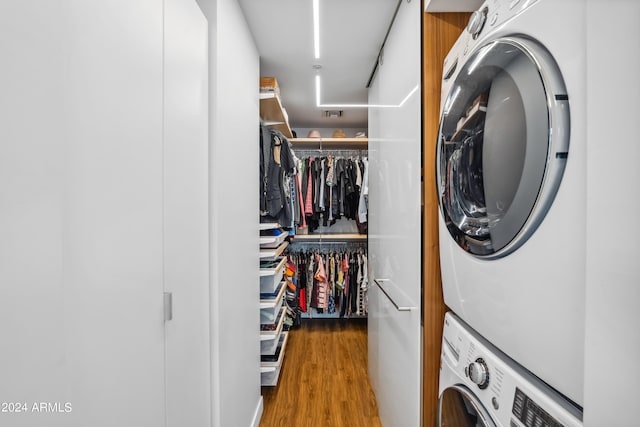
x=316 y=28
x=400 y=104
x=317 y=90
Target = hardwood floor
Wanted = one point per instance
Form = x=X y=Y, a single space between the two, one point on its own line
x=324 y=380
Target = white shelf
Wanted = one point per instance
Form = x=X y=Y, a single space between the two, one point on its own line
x=269 y=308
x=273 y=334
x=270 y=371
x=329 y=143
x=269 y=225
x=273 y=253
x=329 y=237
x=270 y=303
x=272 y=242
x=281 y=344
x=269 y=340
x=271 y=277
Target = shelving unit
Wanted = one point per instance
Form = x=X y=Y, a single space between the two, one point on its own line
x=330 y=143
x=273 y=115
x=272 y=310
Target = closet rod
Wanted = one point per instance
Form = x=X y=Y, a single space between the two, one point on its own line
x=337 y=152
x=324 y=246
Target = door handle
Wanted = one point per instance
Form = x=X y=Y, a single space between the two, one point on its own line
x=168 y=306
x=402 y=306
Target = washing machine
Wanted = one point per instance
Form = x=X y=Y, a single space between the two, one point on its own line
x=481 y=387
x=511 y=179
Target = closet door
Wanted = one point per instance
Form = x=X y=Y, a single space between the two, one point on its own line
x=81 y=307
x=186 y=226
x=395 y=224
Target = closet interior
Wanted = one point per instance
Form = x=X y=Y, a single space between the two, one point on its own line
x=313 y=228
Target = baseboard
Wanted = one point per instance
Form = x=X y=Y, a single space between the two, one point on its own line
x=258 y=414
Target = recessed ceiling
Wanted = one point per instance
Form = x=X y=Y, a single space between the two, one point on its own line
x=351 y=34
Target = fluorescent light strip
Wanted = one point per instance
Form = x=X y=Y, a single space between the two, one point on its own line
x=320 y=105
x=317 y=90
x=316 y=28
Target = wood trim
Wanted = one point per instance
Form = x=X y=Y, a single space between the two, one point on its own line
x=439 y=32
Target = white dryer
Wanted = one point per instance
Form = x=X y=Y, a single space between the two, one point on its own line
x=481 y=387
x=511 y=183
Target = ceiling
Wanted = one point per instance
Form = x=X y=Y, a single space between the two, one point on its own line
x=351 y=34
x=452 y=5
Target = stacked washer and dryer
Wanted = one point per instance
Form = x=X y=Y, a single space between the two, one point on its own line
x=511 y=181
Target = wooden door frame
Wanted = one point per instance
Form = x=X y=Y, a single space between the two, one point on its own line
x=439 y=33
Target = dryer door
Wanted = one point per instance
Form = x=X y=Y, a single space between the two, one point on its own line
x=502 y=146
x=457 y=407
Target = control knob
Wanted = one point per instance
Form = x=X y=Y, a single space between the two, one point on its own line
x=476 y=22
x=479 y=373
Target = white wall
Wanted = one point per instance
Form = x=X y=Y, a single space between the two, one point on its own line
x=81 y=211
x=234 y=185
x=612 y=341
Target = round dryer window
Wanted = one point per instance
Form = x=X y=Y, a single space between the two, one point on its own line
x=502 y=146
x=458 y=408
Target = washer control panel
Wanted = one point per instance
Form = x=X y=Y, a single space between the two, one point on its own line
x=498 y=12
x=476 y=21
x=479 y=373
x=530 y=413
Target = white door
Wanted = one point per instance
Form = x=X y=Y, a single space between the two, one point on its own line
x=81 y=307
x=186 y=230
x=395 y=224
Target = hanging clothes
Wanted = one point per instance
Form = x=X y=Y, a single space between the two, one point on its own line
x=301 y=214
x=333 y=282
x=277 y=166
x=329 y=189
x=364 y=193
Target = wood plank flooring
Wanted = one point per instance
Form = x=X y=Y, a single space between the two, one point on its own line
x=324 y=379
